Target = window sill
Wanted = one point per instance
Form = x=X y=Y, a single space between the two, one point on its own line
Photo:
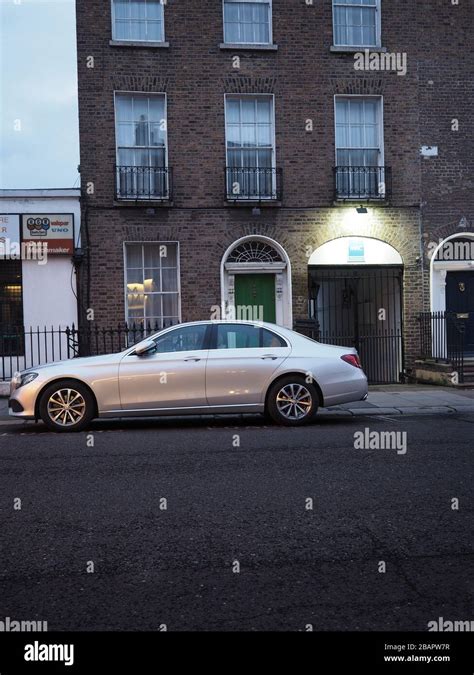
x=251 y=203
x=144 y=203
x=138 y=43
x=248 y=47
x=380 y=201
x=357 y=50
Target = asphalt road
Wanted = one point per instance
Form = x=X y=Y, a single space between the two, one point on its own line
x=225 y=503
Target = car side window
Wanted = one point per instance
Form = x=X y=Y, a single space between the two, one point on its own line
x=270 y=339
x=234 y=336
x=184 y=339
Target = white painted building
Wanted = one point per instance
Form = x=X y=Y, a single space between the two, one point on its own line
x=39 y=232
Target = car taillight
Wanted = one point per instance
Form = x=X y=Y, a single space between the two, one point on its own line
x=353 y=359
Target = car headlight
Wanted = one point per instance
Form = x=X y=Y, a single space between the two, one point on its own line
x=24 y=378
x=15 y=381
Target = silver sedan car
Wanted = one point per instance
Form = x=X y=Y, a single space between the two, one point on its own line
x=194 y=368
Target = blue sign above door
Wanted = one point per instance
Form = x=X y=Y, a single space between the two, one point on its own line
x=356 y=251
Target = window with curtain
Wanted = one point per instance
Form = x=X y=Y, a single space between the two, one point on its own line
x=141 y=136
x=247 y=21
x=249 y=143
x=358 y=137
x=138 y=20
x=152 y=283
x=141 y=129
x=356 y=22
x=359 y=147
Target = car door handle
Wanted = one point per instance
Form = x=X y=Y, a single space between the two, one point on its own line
x=269 y=356
x=192 y=358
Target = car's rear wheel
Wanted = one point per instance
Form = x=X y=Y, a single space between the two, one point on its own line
x=292 y=401
x=67 y=406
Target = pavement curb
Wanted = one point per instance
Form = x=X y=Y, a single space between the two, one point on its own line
x=327 y=412
x=424 y=410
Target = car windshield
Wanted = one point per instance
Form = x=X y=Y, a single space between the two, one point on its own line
x=138 y=335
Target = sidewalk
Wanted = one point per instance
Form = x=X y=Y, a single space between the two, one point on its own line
x=408 y=399
x=395 y=399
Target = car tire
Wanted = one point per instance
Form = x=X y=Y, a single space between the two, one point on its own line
x=292 y=388
x=67 y=406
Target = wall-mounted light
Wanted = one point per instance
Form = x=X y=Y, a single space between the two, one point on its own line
x=361 y=209
x=78 y=256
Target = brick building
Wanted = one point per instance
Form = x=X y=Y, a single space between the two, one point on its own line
x=294 y=159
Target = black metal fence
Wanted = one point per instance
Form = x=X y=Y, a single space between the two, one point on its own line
x=380 y=352
x=443 y=339
x=147 y=183
x=22 y=347
x=362 y=182
x=253 y=184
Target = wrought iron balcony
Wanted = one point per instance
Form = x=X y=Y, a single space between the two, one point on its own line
x=362 y=182
x=251 y=184
x=144 y=183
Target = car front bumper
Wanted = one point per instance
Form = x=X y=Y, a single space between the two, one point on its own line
x=21 y=402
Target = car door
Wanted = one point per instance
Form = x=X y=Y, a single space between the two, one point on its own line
x=173 y=376
x=241 y=361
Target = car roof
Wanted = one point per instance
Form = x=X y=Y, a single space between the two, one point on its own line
x=264 y=324
x=288 y=333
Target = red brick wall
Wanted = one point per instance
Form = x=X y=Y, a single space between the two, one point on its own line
x=304 y=76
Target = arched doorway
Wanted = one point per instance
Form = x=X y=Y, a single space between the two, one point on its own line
x=355 y=298
x=256 y=281
x=452 y=284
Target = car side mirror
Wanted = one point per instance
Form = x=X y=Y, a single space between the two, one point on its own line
x=145 y=347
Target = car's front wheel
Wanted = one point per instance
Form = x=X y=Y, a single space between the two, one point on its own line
x=292 y=401
x=67 y=406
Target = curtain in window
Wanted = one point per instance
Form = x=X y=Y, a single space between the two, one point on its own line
x=247 y=22
x=141 y=144
x=152 y=283
x=358 y=144
x=355 y=22
x=139 y=20
x=250 y=145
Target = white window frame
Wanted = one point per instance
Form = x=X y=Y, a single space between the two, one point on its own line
x=270 y=22
x=378 y=24
x=141 y=94
x=166 y=164
x=273 y=136
x=380 y=120
x=381 y=154
x=162 y=3
x=178 y=271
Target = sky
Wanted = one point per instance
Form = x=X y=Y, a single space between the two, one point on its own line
x=39 y=132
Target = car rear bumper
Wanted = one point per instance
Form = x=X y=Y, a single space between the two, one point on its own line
x=353 y=389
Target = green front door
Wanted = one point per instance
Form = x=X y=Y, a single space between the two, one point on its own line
x=255 y=297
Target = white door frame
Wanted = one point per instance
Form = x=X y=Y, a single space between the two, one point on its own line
x=281 y=270
x=439 y=270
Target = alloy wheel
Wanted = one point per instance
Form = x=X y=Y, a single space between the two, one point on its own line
x=66 y=407
x=294 y=401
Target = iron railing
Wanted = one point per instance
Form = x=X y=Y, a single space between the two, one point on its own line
x=22 y=348
x=253 y=184
x=380 y=351
x=144 y=183
x=443 y=339
x=362 y=182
